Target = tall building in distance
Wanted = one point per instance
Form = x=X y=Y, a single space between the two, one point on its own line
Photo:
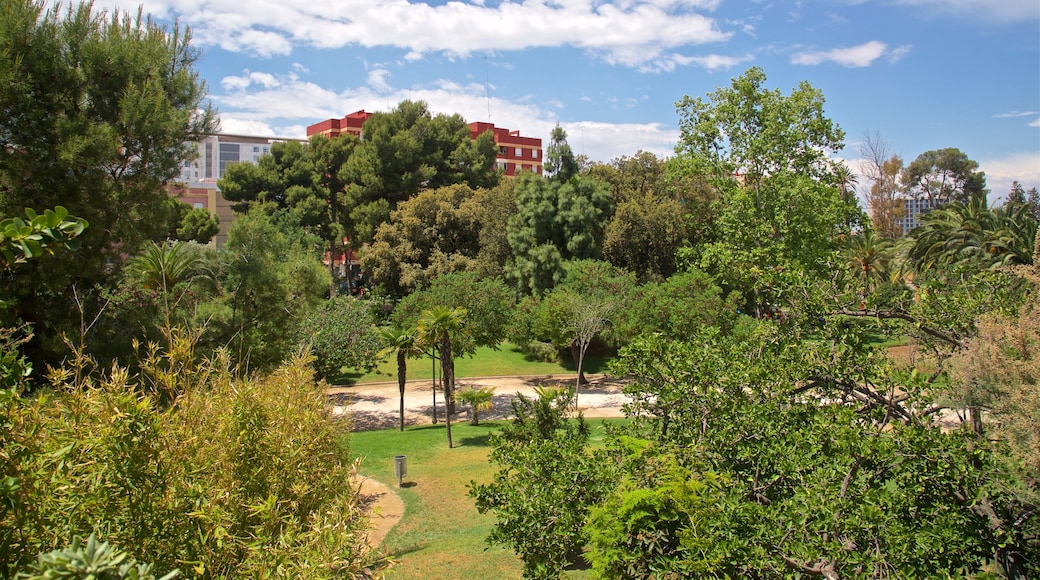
x=516 y=153
x=913 y=209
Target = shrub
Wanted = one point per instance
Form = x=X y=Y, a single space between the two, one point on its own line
x=96 y=559
x=234 y=478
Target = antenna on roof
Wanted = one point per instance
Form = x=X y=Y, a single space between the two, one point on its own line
x=487 y=83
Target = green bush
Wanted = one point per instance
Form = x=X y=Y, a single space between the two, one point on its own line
x=233 y=478
x=95 y=560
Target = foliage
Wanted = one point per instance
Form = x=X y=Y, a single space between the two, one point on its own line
x=270 y=283
x=438 y=328
x=434 y=233
x=94 y=560
x=101 y=111
x=885 y=202
x=302 y=179
x=825 y=452
x=943 y=176
x=555 y=221
x=752 y=132
x=488 y=301
x=234 y=479
x=677 y=307
x=404 y=151
x=198 y=225
x=787 y=229
x=644 y=235
x=21 y=240
x=479 y=401
x=342 y=335
x=975 y=233
x=548 y=480
x=560 y=164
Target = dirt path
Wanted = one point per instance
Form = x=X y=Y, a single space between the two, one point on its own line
x=375 y=405
x=383 y=507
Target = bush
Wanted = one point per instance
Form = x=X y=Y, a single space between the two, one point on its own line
x=233 y=478
x=94 y=560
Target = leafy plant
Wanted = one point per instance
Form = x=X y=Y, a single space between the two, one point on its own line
x=91 y=561
x=479 y=400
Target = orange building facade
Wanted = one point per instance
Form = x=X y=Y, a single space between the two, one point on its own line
x=516 y=153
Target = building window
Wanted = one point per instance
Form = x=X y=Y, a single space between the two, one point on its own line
x=198 y=205
x=209 y=160
x=256 y=149
x=519 y=152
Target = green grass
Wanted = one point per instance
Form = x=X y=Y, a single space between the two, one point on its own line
x=441 y=534
x=504 y=362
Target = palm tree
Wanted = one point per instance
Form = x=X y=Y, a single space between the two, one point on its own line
x=435 y=328
x=960 y=232
x=869 y=259
x=162 y=268
x=402 y=344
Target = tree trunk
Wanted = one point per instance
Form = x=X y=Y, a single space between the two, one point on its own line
x=401 y=373
x=448 y=381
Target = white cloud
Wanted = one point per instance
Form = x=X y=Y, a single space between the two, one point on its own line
x=1013 y=114
x=711 y=62
x=379 y=80
x=1035 y=123
x=286 y=108
x=853 y=57
x=627 y=32
x=1021 y=167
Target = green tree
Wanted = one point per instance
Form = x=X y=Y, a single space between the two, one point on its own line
x=269 y=284
x=433 y=233
x=974 y=232
x=479 y=401
x=547 y=481
x=488 y=302
x=167 y=269
x=645 y=234
x=404 y=151
x=748 y=131
x=436 y=329
x=555 y=221
x=342 y=335
x=944 y=175
x=304 y=181
x=402 y=345
x=101 y=109
x=560 y=164
x=677 y=307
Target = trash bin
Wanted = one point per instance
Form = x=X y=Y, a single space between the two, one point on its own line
x=400 y=467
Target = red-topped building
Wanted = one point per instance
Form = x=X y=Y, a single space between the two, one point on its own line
x=351 y=124
x=516 y=153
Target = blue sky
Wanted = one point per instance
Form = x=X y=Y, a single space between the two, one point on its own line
x=924 y=74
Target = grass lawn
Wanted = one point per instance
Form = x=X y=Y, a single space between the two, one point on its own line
x=487 y=362
x=441 y=535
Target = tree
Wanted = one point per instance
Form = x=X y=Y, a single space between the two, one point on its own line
x=645 y=234
x=304 y=181
x=401 y=344
x=100 y=110
x=560 y=164
x=884 y=200
x=436 y=327
x=749 y=132
x=677 y=307
x=944 y=175
x=404 y=151
x=167 y=270
x=973 y=231
x=547 y=481
x=269 y=284
x=479 y=401
x=555 y=221
x=428 y=235
x=488 y=302
x=342 y=335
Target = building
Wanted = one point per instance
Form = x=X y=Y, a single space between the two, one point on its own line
x=351 y=124
x=516 y=153
x=197 y=183
x=912 y=210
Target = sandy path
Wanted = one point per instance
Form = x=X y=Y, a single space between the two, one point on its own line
x=375 y=405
